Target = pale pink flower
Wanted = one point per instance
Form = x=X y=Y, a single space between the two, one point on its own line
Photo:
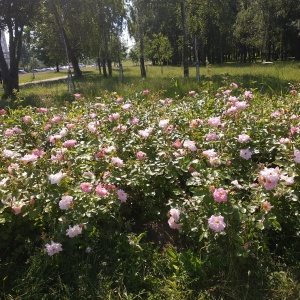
x=175 y=213
x=27 y=119
x=74 y=231
x=297 y=156
x=214 y=121
x=42 y=109
x=211 y=136
x=122 y=196
x=56 y=178
x=287 y=179
x=248 y=95
x=114 y=116
x=163 y=123
x=10 y=154
x=215 y=161
x=209 y=153
x=232 y=99
x=266 y=206
x=119 y=99
x=216 y=223
x=220 y=195
x=66 y=202
x=12 y=167
x=271 y=174
x=93 y=115
x=92 y=127
x=28 y=158
x=54 y=138
x=230 y=111
x=227 y=92
x=236 y=184
x=173 y=224
x=145 y=92
x=86 y=187
x=101 y=105
x=177 y=144
x=192 y=92
x=55 y=119
x=38 y=153
x=47 y=127
x=245 y=153
x=69 y=143
x=243 y=138
x=146 y=132
x=233 y=85
x=134 y=121
x=2 y=112
x=141 y=155
x=293 y=92
x=63 y=132
x=117 y=162
x=284 y=140
x=191 y=145
x=109 y=149
x=101 y=191
x=121 y=127
x=275 y=114
x=53 y=248
x=17 y=130
x=241 y=105
x=126 y=106
x=70 y=125
x=9 y=132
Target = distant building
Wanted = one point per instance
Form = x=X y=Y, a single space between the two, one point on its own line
x=4 y=48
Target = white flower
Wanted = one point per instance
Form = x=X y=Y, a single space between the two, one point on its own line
x=53 y=248
x=65 y=202
x=10 y=154
x=74 y=231
x=56 y=178
x=163 y=123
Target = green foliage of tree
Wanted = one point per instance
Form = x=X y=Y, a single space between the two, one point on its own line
x=15 y=16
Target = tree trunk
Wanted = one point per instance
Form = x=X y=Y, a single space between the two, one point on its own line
x=185 y=57
x=142 y=47
x=10 y=74
x=71 y=56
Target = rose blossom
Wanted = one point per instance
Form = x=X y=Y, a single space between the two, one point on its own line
x=126 y=106
x=28 y=158
x=245 y=153
x=74 y=231
x=86 y=187
x=243 y=138
x=69 y=143
x=56 y=178
x=266 y=206
x=122 y=195
x=65 y=202
x=220 y=195
x=141 y=155
x=101 y=191
x=117 y=162
x=27 y=119
x=216 y=223
x=191 y=145
x=163 y=123
x=53 y=248
x=214 y=121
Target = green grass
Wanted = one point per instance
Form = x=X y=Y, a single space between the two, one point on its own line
x=270 y=80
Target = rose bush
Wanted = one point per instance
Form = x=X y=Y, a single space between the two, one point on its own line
x=222 y=170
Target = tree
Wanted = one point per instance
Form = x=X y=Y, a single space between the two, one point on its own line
x=15 y=15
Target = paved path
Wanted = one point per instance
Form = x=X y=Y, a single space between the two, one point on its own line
x=43 y=80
